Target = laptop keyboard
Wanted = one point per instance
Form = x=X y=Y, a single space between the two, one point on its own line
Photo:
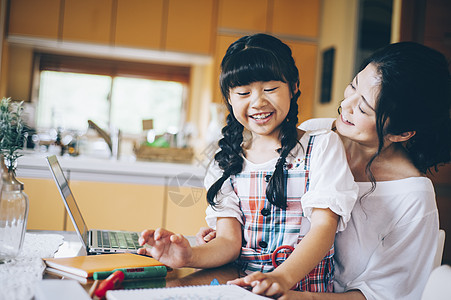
x=118 y=240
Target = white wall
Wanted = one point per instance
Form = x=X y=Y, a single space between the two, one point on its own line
x=339 y=20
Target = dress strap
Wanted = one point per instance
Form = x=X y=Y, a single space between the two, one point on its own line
x=307 y=161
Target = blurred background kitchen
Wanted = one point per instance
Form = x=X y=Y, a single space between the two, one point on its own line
x=126 y=91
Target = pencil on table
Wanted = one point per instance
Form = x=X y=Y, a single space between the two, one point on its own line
x=93 y=288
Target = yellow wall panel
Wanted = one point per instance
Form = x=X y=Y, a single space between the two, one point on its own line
x=139 y=23
x=35 y=18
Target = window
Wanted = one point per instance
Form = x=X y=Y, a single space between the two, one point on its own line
x=75 y=90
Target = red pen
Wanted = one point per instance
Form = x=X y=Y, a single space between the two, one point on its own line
x=110 y=283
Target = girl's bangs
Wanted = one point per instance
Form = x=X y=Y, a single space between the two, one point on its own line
x=251 y=65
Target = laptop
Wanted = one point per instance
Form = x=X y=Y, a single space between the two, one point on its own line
x=95 y=241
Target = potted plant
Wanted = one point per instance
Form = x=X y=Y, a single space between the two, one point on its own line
x=13 y=201
x=12 y=135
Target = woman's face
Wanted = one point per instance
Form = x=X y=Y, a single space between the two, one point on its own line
x=357 y=120
x=261 y=106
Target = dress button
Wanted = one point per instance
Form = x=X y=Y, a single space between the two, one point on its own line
x=265 y=212
x=263 y=244
x=267 y=178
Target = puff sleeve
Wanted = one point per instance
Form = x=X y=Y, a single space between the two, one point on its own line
x=331 y=182
x=226 y=198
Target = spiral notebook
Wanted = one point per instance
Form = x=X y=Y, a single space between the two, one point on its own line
x=199 y=292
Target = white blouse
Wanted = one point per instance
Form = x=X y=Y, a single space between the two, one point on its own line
x=388 y=248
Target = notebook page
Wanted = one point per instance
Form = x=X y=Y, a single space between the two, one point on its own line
x=201 y=292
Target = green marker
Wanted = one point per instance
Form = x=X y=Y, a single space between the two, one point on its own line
x=135 y=273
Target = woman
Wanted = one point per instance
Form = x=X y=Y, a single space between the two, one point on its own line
x=395 y=125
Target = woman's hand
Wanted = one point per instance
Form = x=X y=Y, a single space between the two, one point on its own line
x=168 y=248
x=267 y=284
x=205 y=235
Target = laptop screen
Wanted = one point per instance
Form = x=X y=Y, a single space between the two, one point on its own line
x=68 y=198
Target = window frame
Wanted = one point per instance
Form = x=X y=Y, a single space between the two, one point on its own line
x=43 y=61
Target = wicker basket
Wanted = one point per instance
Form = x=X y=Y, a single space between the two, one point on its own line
x=144 y=152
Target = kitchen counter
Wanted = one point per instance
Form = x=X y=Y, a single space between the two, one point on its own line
x=124 y=170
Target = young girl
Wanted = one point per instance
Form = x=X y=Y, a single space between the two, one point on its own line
x=276 y=193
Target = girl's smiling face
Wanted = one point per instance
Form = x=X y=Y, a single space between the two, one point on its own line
x=261 y=106
x=357 y=120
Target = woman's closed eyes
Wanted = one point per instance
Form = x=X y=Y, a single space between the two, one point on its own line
x=361 y=110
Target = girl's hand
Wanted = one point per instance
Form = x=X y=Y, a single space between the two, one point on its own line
x=168 y=248
x=205 y=235
x=267 y=284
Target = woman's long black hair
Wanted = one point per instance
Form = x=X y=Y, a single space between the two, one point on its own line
x=253 y=58
x=415 y=95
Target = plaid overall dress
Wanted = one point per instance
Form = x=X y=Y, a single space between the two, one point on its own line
x=266 y=227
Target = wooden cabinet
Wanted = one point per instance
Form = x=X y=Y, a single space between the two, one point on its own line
x=87 y=21
x=116 y=206
x=191 y=26
x=103 y=205
x=305 y=56
x=222 y=43
x=139 y=23
x=173 y=25
x=249 y=15
x=4 y=54
x=296 y=18
x=119 y=206
x=185 y=213
x=46 y=210
x=34 y=18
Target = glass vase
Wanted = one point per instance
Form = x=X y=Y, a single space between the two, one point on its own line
x=13 y=215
